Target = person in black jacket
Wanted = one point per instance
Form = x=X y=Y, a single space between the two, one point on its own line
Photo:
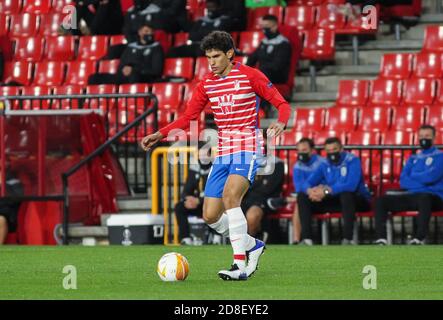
x=214 y=20
x=267 y=185
x=191 y=203
x=141 y=61
x=9 y=209
x=273 y=56
x=102 y=17
x=167 y=15
x=236 y=11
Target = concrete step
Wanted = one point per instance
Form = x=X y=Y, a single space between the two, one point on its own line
x=328 y=83
x=429 y=6
x=313 y=97
x=368 y=57
x=140 y=204
x=389 y=45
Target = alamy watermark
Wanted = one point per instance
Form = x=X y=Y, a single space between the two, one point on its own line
x=370 y=278
x=70 y=280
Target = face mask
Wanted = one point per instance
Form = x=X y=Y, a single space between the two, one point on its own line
x=213 y=14
x=304 y=157
x=425 y=143
x=269 y=34
x=148 y=38
x=334 y=157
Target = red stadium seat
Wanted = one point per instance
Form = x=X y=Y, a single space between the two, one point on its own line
x=49 y=73
x=108 y=66
x=11 y=91
x=435 y=117
x=419 y=91
x=194 y=4
x=201 y=68
x=250 y=41
x=117 y=39
x=301 y=17
x=343 y=119
x=132 y=88
x=375 y=119
x=321 y=136
x=19 y=71
x=413 y=9
x=4 y=25
x=179 y=67
x=100 y=103
x=329 y=19
x=291 y=138
x=37 y=6
x=433 y=41
x=23 y=25
x=36 y=104
x=169 y=95
x=309 y=120
x=60 y=48
x=397 y=138
x=385 y=92
x=428 y=65
x=180 y=38
x=363 y=138
x=67 y=103
x=78 y=72
x=396 y=66
x=92 y=47
x=353 y=93
x=29 y=49
x=408 y=118
x=50 y=23
x=254 y=16
x=10 y=6
x=319 y=44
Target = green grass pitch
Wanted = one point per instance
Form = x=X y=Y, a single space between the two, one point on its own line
x=286 y=272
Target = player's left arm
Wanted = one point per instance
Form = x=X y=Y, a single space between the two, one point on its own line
x=265 y=89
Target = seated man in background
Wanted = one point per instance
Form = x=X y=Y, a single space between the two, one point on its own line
x=272 y=57
x=141 y=61
x=343 y=190
x=9 y=209
x=266 y=185
x=191 y=203
x=102 y=17
x=213 y=21
x=308 y=162
x=422 y=180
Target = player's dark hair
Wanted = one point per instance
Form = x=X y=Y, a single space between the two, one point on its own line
x=333 y=140
x=270 y=17
x=218 y=40
x=428 y=126
x=310 y=142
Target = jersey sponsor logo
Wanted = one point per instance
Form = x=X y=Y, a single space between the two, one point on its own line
x=225 y=103
x=343 y=171
x=269 y=85
x=429 y=161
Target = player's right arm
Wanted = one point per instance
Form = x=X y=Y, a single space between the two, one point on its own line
x=194 y=107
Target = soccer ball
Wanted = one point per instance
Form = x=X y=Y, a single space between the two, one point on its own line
x=173 y=267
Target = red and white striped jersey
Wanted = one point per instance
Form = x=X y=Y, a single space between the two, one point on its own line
x=234 y=100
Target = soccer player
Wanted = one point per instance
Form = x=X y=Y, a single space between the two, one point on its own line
x=233 y=91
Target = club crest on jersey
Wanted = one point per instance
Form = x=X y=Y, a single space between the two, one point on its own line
x=225 y=103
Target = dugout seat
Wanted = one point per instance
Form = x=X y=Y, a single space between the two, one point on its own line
x=309 y=120
x=341 y=119
x=37 y=104
x=255 y=15
x=108 y=66
x=375 y=119
x=169 y=95
x=18 y=71
x=250 y=41
x=179 y=67
x=419 y=91
x=319 y=44
x=8 y=7
x=408 y=118
x=435 y=117
x=67 y=90
x=329 y=19
x=37 y=6
x=180 y=38
x=50 y=24
x=433 y=41
x=100 y=103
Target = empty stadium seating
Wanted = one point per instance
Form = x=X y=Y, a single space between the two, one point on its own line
x=249 y=41
x=78 y=72
x=375 y=119
x=108 y=66
x=301 y=17
x=92 y=47
x=67 y=90
x=60 y=48
x=419 y=91
x=408 y=118
x=353 y=93
x=308 y=120
x=23 y=25
x=396 y=66
x=428 y=65
x=179 y=67
x=343 y=119
x=49 y=73
x=254 y=15
x=319 y=44
x=433 y=41
x=37 y=6
x=29 y=49
x=385 y=92
x=10 y=6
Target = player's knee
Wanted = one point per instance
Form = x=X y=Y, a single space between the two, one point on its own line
x=231 y=200
x=209 y=218
x=3 y=222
